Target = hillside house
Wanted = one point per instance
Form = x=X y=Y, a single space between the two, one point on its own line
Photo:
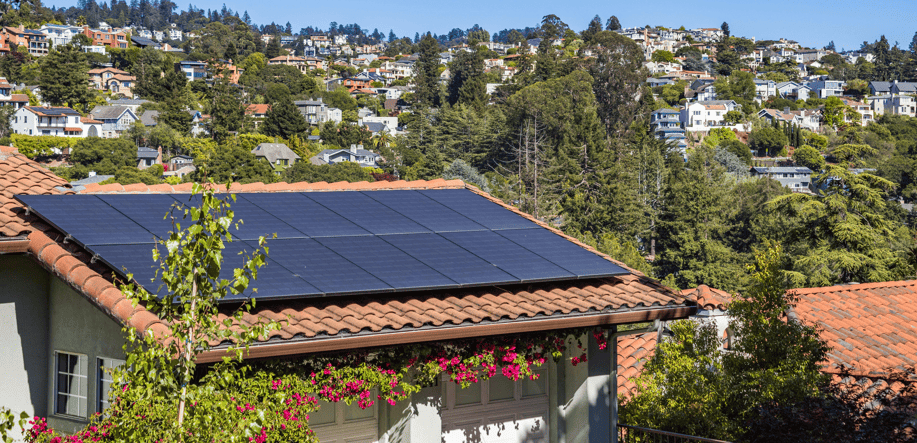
x=355 y=154
x=59 y=122
x=115 y=119
x=110 y=38
x=798 y=179
x=112 y=80
x=278 y=155
x=317 y=111
x=701 y=116
x=33 y=39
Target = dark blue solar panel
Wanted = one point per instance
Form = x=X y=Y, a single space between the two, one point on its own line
x=506 y=255
x=305 y=215
x=425 y=211
x=366 y=212
x=148 y=212
x=136 y=259
x=563 y=253
x=449 y=259
x=322 y=268
x=273 y=281
x=479 y=209
x=385 y=262
x=250 y=221
x=87 y=219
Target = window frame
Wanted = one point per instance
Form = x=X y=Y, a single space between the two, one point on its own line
x=57 y=387
x=101 y=375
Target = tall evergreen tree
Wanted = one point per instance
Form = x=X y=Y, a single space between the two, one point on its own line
x=273 y=47
x=64 y=77
x=467 y=83
x=283 y=119
x=725 y=28
x=426 y=75
x=612 y=24
x=595 y=26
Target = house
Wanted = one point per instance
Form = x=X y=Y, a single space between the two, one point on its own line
x=827 y=88
x=865 y=110
x=257 y=112
x=144 y=42
x=390 y=124
x=7 y=98
x=300 y=63
x=59 y=35
x=174 y=32
x=764 y=89
x=112 y=39
x=180 y=161
x=703 y=115
x=277 y=155
x=316 y=111
x=664 y=118
x=805 y=118
x=115 y=119
x=12 y=36
x=793 y=91
x=798 y=179
x=60 y=306
x=193 y=70
x=355 y=154
x=132 y=104
x=893 y=104
x=653 y=81
x=60 y=122
x=147 y=157
x=112 y=80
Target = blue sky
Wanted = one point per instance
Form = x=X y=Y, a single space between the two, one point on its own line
x=811 y=22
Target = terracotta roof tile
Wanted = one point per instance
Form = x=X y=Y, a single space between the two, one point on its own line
x=870 y=326
x=633 y=352
x=708 y=298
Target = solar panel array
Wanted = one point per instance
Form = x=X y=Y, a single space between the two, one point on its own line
x=336 y=243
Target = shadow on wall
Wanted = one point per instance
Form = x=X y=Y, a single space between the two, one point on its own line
x=24 y=289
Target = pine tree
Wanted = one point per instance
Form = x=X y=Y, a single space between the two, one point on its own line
x=612 y=24
x=230 y=54
x=64 y=77
x=595 y=26
x=283 y=119
x=273 y=47
x=391 y=36
x=427 y=73
x=725 y=28
x=246 y=18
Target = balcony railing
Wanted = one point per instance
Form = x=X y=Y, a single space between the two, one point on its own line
x=634 y=434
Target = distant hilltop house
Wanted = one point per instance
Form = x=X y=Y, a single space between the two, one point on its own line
x=7 y=98
x=317 y=111
x=797 y=178
x=33 y=39
x=355 y=154
x=278 y=155
x=112 y=80
x=147 y=157
x=56 y=121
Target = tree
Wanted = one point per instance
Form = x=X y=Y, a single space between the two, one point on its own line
x=612 y=24
x=227 y=111
x=230 y=54
x=734 y=117
x=663 y=56
x=283 y=119
x=725 y=28
x=834 y=112
x=552 y=27
x=595 y=26
x=809 y=157
x=64 y=78
x=844 y=233
x=273 y=47
x=738 y=148
x=767 y=141
x=467 y=83
x=426 y=75
x=232 y=162
x=467 y=173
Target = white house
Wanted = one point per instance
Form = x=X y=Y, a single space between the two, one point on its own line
x=764 y=89
x=59 y=35
x=174 y=33
x=893 y=104
x=355 y=154
x=317 y=111
x=793 y=91
x=701 y=116
x=115 y=119
x=60 y=122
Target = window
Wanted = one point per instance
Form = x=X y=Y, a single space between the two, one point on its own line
x=104 y=381
x=70 y=385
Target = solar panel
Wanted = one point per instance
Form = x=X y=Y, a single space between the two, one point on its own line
x=304 y=214
x=323 y=268
x=366 y=212
x=506 y=255
x=87 y=219
x=136 y=259
x=149 y=212
x=274 y=281
x=385 y=262
x=251 y=221
x=479 y=209
x=449 y=259
x=563 y=253
x=418 y=208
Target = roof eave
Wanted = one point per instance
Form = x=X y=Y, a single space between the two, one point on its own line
x=445 y=332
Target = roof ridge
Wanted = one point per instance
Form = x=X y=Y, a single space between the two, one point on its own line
x=279 y=187
x=853 y=287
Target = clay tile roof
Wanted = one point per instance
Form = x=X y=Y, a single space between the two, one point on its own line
x=708 y=298
x=633 y=352
x=317 y=325
x=870 y=327
x=19 y=175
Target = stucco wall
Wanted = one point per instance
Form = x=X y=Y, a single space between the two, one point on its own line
x=77 y=326
x=23 y=335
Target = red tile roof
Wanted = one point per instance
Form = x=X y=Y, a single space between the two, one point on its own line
x=633 y=352
x=708 y=298
x=871 y=327
x=351 y=322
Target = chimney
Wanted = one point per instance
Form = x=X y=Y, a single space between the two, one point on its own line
x=92 y=173
x=353 y=149
x=159 y=155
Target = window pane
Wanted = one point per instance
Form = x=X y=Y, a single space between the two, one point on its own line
x=469 y=395
x=502 y=388
x=324 y=414
x=353 y=412
x=63 y=383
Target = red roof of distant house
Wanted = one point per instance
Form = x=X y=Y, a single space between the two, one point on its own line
x=257 y=109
